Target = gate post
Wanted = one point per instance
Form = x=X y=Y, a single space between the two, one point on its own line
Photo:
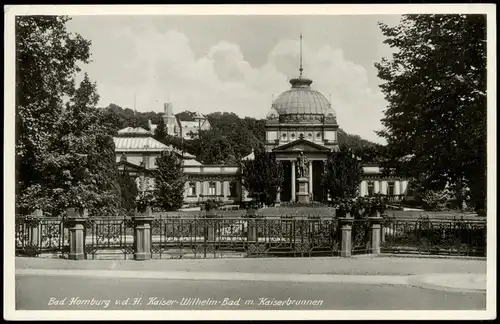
x=142 y=235
x=34 y=228
x=375 y=235
x=346 y=244
x=251 y=225
x=76 y=226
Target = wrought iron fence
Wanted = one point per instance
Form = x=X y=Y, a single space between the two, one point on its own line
x=109 y=237
x=37 y=236
x=434 y=236
x=243 y=237
x=361 y=236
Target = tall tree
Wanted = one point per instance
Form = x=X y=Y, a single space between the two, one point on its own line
x=169 y=181
x=47 y=58
x=262 y=177
x=128 y=190
x=342 y=175
x=161 y=131
x=78 y=167
x=435 y=84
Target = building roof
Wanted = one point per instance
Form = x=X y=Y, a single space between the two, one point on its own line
x=133 y=131
x=250 y=156
x=192 y=162
x=302 y=100
x=139 y=144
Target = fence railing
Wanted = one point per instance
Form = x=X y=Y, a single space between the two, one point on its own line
x=144 y=237
x=35 y=236
x=434 y=236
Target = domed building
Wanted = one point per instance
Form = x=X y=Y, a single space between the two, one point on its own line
x=301 y=120
x=300 y=123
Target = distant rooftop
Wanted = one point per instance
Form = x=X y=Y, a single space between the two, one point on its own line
x=133 y=131
x=123 y=144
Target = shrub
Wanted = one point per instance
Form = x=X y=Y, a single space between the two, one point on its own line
x=435 y=200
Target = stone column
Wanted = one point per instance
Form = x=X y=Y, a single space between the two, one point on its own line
x=383 y=189
x=293 y=181
x=225 y=192
x=210 y=228
x=376 y=187
x=252 y=229
x=397 y=192
x=34 y=228
x=364 y=188
x=217 y=188
x=311 y=178
x=346 y=244
x=375 y=223
x=76 y=226
x=142 y=235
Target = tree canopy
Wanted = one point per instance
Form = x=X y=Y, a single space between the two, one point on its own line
x=65 y=151
x=262 y=177
x=435 y=84
x=228 y=139
x=342 y=175
x=169 y=181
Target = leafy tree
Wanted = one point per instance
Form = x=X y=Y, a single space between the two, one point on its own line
x=78 y=167
x=262 y=177
x=66 y=152
x=47 y=57
x=215 y=148
x=128 y=189
x=169 y=181
x=160 y=131
x=435 y=84
x=186 y=115
x=342 y=175
x=353 y=141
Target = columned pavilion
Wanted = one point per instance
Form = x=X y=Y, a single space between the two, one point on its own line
x=301 y=120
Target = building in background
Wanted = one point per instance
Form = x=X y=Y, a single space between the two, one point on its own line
x=300 y=120
x=136 y=153
x=174 y=126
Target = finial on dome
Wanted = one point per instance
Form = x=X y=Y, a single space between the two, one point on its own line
x=300 y=82
x=300 y=69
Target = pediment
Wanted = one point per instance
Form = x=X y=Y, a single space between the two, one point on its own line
x=301 y=145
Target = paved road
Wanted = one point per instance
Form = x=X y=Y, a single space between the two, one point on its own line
x=35 y=292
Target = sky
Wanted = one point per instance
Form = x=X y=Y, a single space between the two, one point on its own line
x=238 y=63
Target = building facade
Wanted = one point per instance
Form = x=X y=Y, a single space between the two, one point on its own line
x=301 y=122
x=136 y=153
x=174 y=126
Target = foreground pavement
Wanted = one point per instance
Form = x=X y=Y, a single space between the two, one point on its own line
x=367 y=283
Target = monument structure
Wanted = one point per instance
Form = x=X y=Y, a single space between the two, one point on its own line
x=301 y=129
x=301 y=123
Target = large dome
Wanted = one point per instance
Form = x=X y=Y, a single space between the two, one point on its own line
x=302 y=100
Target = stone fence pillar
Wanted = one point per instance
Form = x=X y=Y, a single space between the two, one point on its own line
x=210 y=225
x=375 y=225
x=346 y=244
x=76 y=227
x=142 y=235
x=252 y=230
x=34 y=228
